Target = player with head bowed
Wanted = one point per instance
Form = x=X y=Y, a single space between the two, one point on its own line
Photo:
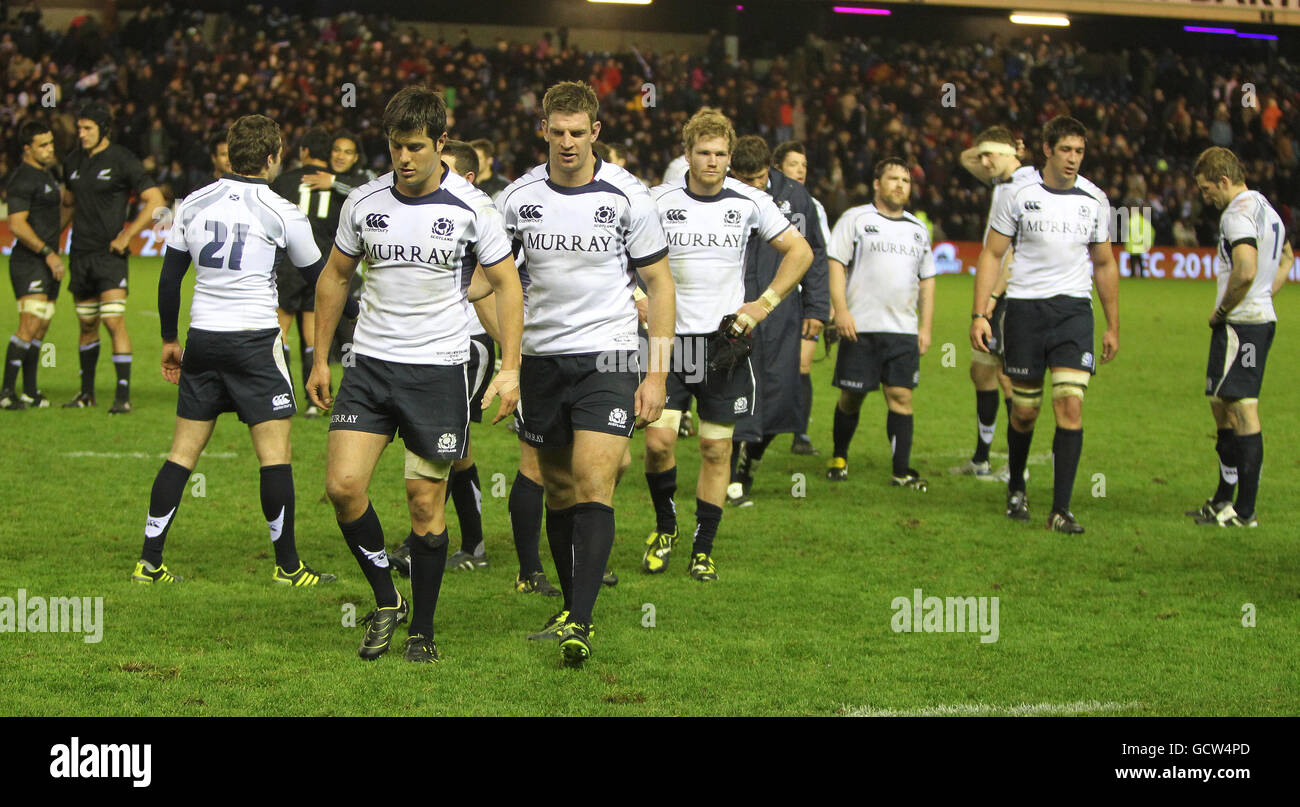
x=422 y=229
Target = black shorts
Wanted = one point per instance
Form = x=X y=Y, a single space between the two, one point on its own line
x=90 y=274
x=722 y=397
x=295 y=294
x=482 y=361
x=31 y=275
x=427 y=405
x=893 y=359
x=235 y=371
x=1237 y=356
x=593 y=392
x=1053 y=332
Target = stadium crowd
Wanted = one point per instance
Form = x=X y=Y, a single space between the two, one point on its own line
x=175 y=77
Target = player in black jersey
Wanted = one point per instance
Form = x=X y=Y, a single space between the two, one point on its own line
x=35 y=267
x=101 y=177
x=321 y=206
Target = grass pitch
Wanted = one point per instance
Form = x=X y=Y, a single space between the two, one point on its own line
x=1142 y=615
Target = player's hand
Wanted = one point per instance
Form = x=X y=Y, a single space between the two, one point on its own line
x=318 y=386
x=980 y=334
x=650 y=398
x=923 y=341
x=120 y=245
x=749 y=315
x=846 y=326
x=643 y=312
x=56 y=265
x=812 y=328
x=505 y=384
x=1109 y=345
x=171 y=362
x=319 y=181
x=1217 y=319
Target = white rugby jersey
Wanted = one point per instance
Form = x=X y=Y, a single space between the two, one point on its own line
x=1022 y=175
x=421 y=253
x=1051 y=231
x=676 y=170
x=707 y=236
x=886 y=259
x=580 y=248
x=822 y=221
x=1251 y=219
x=235 y=230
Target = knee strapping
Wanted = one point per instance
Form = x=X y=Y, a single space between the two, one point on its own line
x=88 y=311
x=1069 y=384
x=112 y=308
x=716 y=431
x=34 y=307
x=418 y=467
x=670 y=419
x=1027 y=397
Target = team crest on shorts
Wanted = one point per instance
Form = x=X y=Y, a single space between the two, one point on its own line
x=916 y=377
x=1086 y=361
x=618 y=417
x=741 y=405
x=447 y=442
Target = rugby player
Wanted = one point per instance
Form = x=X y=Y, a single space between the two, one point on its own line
x=233 y=231
x=1060 y=227
x=422 y=230
x=882 y=287
x=1251 y=266
x=101 y=176
x=585 y=227
x=708 y=219
x=36 y=217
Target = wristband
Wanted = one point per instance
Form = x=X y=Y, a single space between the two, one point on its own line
x=1219 y=313
x=981 y=316
x=769 y=300
x=45 y=250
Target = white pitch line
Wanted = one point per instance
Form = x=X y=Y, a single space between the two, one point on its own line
x=140 y=455
x=1033 y=459
x=976 y=709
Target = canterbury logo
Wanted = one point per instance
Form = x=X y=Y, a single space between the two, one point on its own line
x=377 y=221
x=379 y=558
x=280 y=400
x=871 y=229
x=530 y=212
x=1033 y=206
x=676 y=214
x=154 y=526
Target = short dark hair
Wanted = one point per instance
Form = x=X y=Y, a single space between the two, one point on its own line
x=416 y=109
x=1063 y=126
x=778 y=154
x=484 y=145
x=463 y=157
x=214 y=142
x=1216 y=162
x=251 y=140
x=100 y=114
x=750 y=156
x=30 y=129
x=881 y=165
x=571 y=97
x=617 y=149
x=996 y=134
x=318 y=141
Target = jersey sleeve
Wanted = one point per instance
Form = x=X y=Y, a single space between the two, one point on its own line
x=770 y=221
x=300 y=243
x=493 y=243
x=1237 y=228
x=20 y=193
x=348 y=236
x=1101 y=223
x=1005 y=217
x=176 y=233
x=646 y=242
x=926 y=269
x=840 y=247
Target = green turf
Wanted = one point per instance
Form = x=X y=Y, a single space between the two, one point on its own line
x=1141 y=615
